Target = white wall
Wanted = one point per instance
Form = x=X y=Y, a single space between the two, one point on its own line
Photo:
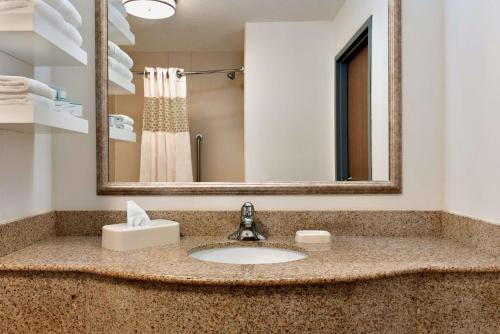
x=347 y=22
x=473 y=108
x=74 y=167
x=288 y=135
x=25 y=162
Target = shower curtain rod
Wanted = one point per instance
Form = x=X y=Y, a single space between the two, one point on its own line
x=230 y=72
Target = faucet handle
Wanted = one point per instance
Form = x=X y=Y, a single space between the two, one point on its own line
x=248 y=229
x=247 y=212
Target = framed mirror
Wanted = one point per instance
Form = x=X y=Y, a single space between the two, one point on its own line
x=248 y=97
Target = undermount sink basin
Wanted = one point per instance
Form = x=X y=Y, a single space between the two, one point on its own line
x=247 y=255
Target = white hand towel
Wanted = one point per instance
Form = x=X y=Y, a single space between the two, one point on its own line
x=119 y=68
x=118 y=4
x=136 y=216
x=27 y=98
x=45 y=10
x=6 y=5
x=121 y=119
x=73 y=34
x=117 y=18
x=124 y=126
x=15 y=84
x=68 y=11
x=116 y=52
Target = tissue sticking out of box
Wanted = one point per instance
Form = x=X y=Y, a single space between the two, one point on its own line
x=136 y=216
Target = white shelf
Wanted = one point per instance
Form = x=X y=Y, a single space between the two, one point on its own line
x=121 y=135
x=117 y=85
x=32 y=118
x=32 y=39
x=118 y=34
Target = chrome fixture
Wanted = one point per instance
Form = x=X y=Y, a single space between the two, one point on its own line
x=248 y=228
x=199 y=139
x=230 y=73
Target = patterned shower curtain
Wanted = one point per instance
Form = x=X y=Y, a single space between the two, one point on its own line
x=165 y=146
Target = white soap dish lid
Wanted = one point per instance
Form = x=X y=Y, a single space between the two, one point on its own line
x=313 y=237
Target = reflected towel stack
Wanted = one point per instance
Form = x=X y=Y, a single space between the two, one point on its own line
x=118 y=5
x=20 y=90
x=123 y=122
x=119 y=61
x=118 y=14
x=61 y=14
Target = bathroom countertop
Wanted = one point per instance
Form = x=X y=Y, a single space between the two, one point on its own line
x=346 y=259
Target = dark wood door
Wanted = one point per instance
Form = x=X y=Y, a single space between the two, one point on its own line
x=357 y=116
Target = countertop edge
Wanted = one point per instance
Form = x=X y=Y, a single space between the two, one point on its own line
x=179 y=280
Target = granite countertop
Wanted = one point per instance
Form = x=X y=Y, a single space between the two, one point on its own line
x=346 y=259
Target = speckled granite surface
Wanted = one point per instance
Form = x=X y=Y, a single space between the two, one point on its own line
x=276 y=223
x=19 y=233
x=471 y=232
x=385 y=272
x=348 y=259
x=80 y=303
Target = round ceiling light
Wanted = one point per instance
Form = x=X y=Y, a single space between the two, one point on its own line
x=151 y=9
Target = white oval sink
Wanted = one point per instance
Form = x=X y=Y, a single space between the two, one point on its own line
x=247 y=255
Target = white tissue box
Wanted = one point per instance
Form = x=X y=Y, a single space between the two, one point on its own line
x=121 y=237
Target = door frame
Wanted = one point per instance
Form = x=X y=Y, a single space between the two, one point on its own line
x=362 y=38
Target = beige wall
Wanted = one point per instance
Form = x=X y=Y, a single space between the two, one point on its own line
x=215 y=107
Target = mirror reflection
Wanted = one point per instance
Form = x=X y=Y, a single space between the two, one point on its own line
x=248 y=91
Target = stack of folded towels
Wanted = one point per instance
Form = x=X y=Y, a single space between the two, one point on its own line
x=61 y=14
x=121 y=122
x=20 y=90
x=118 y=14
x=119 y=61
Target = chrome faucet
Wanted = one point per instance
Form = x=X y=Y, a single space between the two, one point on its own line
x=248 y=228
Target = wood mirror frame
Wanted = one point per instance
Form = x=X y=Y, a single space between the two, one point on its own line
x=393 y=186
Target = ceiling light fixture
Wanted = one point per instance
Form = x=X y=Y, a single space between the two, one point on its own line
x=151 y=9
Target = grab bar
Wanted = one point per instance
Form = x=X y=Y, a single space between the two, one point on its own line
x=199 y=139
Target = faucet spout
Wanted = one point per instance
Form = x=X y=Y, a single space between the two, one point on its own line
x=248 y=229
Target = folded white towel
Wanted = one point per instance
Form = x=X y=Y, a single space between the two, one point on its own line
x=117 y=18
x=119 y=68
x=118 y=4
x=27 y=98
x=116 y=52
x=6 y=5
x=73 y=34
x=45 y=10
x=120 y=119
x=16 y=85
x=127 y=127
x=68 y=11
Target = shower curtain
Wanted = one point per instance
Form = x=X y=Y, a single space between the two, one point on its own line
x=165 y=146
